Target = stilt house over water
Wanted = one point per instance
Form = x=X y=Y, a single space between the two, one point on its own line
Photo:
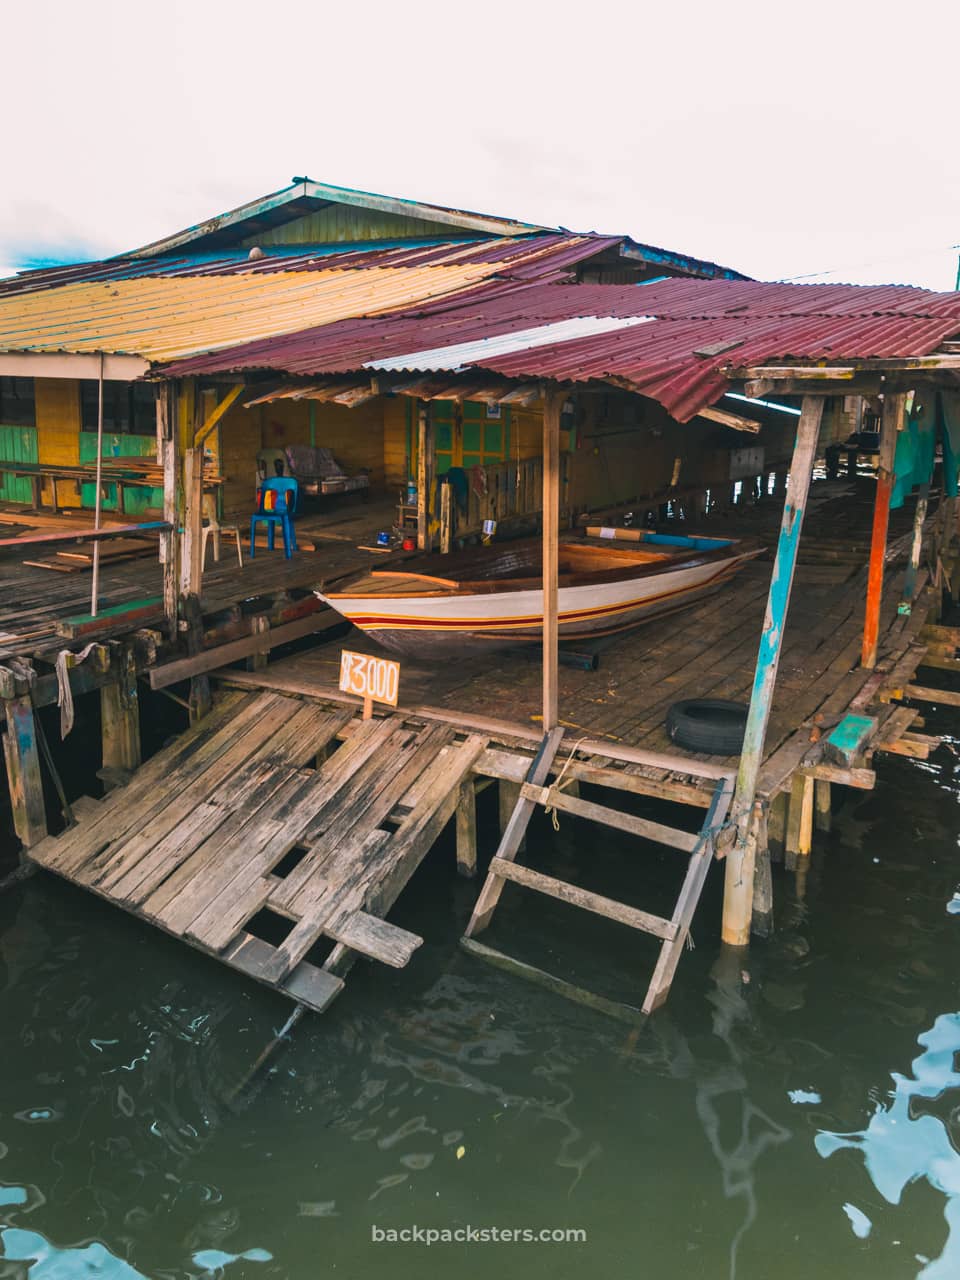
x=455 y=377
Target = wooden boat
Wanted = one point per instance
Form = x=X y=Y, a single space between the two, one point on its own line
x=492 y=596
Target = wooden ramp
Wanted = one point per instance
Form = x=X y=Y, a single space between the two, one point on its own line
x=274 y=805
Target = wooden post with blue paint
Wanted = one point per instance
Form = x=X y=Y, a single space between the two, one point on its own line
x=741 y=857
x=22 y=759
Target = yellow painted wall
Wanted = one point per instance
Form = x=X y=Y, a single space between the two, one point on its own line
x=356 y=437
x=239 y=435
x=58 y=432
x=397 y=411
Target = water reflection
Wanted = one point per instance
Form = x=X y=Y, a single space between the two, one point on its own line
x=918 y=1135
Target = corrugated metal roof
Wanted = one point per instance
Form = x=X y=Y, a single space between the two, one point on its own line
x=163 y=319
x=305 y=195
x=753 y=323
x=463 y=354
x=528 y=258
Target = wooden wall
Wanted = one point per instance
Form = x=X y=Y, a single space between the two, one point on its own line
x=356 y=437
x=58 y=432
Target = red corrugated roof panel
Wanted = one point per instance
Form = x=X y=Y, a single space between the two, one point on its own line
x=767 y=322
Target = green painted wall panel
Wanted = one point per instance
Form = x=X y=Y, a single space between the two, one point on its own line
x=342 y=223
x=136 y=499
x=17 y=444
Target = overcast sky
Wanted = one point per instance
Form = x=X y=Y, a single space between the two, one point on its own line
x=786 y=140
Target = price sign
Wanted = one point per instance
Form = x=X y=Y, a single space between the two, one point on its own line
x=372 y=679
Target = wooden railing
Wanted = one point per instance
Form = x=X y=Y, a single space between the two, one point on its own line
x=512 y=489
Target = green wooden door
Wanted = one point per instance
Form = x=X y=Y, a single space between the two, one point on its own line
x=17 y=444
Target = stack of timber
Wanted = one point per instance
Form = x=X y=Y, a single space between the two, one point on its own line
x=271 y=805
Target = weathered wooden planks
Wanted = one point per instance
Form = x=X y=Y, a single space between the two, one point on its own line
x=194 y=841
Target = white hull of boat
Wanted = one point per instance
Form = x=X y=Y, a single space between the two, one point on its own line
x=413 y=624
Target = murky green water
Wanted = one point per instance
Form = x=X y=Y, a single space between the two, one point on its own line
x=796 y=1116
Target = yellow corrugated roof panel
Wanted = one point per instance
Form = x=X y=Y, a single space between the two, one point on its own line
x=167 y=318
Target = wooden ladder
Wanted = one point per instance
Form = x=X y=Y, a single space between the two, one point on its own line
x=673 y=933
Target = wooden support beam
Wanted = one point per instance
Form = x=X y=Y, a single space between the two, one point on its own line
x=191 y=564
x=738 y=881
x=800 y=819
x=168 y=453
x=424 y=473
x=922 y=693
x=552 y=402
x=821 y=805
x=916 y=548
x=213 y=418
x=777 y=826
x=120 y=716
x=508 y=793
x=891 y=421
x=735 y=421
x=446 y=519
x=467 y=829
x=22 y=759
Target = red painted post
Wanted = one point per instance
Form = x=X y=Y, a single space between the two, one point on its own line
x=890 y=422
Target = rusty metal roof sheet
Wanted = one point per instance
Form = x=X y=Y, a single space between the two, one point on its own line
x=679 y=359
x=526 y=258
x=166 y=317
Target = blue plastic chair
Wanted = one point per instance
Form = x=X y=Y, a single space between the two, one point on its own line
x=287 y=491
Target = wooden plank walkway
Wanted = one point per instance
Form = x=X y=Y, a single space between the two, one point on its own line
x=274 y=805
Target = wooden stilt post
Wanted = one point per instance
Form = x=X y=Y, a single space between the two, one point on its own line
x=916 y=547
x=821 y=805
x=446 y=519
x=120 y=718
x=23 y=771
x=890 y=422
x=762 y=881
x=799 y=819
x=424 y=474
x=777 y=826
x=191 y=565
x=467 y=829
x=551 y=534
x=738 y=882
x=168 y=453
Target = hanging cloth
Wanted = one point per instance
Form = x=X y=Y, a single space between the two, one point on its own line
x=950 y=435
x=916 y=445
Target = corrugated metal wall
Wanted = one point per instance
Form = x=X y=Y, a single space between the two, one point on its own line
x=342 y=223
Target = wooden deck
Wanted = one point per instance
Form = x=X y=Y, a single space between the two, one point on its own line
x=274 y=805
x=34 y=600
x=708 y=651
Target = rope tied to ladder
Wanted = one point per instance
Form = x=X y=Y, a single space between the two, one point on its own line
x=559 y=784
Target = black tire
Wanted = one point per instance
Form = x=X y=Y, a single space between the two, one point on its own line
x=711 y=725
